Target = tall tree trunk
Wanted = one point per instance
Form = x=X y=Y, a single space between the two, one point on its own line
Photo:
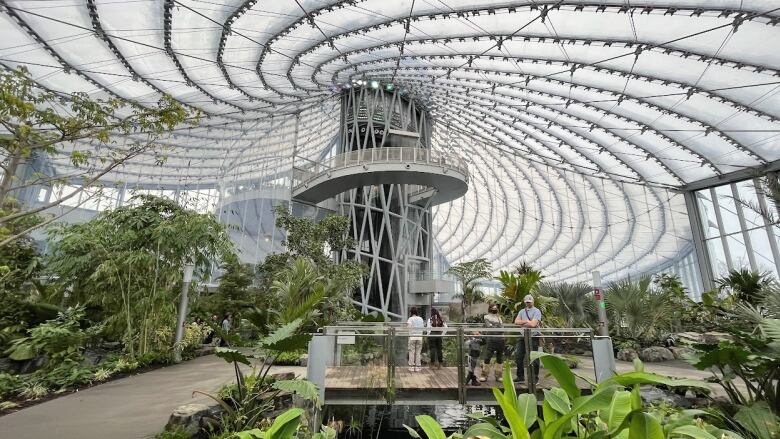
x=9 y=175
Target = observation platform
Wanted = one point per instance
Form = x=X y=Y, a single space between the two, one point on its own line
x=442 y=177
x=366 y=364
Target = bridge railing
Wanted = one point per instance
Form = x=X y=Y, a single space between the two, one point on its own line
x=302 y=175
x=373 y=358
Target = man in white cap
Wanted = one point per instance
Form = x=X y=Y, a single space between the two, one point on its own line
x=528 y=317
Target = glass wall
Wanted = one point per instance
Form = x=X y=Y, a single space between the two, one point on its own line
x=738 y=230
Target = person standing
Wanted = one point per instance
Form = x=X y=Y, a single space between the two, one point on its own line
x=416 y=324
x=495 y=344
x=474 y=346
x=528 y=317
x=435 y=338
x=226 y=324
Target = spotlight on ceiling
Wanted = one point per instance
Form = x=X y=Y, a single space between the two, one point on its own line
x=374 y=84
x=389 y=87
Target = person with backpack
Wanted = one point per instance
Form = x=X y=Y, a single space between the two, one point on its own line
x=496 y=344
x=528 y=317
x=435 y=339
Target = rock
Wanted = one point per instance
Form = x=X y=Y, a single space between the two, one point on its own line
x=654 y=395
x=283 y=376
x=715 y=337
x=655 y=354
x=626 y=355
x=688 y=338
x=187 y=417
x=681 y=352
x=6 y=365
x=304 y=360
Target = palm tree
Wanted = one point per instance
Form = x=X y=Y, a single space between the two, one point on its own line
x=575 y=305
x=517 y=286
x=470 y=296
x=638 y=312
x=745 y=285
x=468 y=273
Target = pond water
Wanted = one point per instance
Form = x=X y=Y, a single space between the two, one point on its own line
x=386 y=422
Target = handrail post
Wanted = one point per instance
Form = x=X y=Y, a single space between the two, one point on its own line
x=530 y=379
x=390 y=344
x=461 y=368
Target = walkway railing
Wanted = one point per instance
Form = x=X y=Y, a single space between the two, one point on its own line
x=302 y=175
x=367 y=363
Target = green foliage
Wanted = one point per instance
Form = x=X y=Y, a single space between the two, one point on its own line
x=235 y=294
x=751 y=355
x=636 y=311
x=179 y=433
x=38 y=122
x=515 y=286
x=574 y=303
x=745 y=285
x=128 y=263
x=59 y=339
x=468 y=273
x=613 y=409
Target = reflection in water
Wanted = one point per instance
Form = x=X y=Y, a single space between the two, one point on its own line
x=385 y=422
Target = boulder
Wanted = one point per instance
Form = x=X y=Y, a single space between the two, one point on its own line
x=626 y=355
x=187 y=418
x=715 y=337
x=681 y=352
x=654 y=395
x=283 y=376
x=688 y=338
x=655 y=354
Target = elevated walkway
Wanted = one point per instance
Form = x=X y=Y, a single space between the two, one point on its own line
x=442 y=177
x=366 y=364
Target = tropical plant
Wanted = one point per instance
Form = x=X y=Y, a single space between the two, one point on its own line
x=515 y=286
x=285 y=426
x=39 y=122
x=613 y=409
x=235 y=293
x=574 y=305
x=59 y=339
x=470 y=296
x=750 y=357
x=745 y=285
x=638 y=312
x=468 y=273
x=769 y=186
x=128 y=262
x=253 y=398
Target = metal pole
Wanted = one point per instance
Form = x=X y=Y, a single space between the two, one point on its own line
x=183 y=302
x=601 y=305
x=527 y=363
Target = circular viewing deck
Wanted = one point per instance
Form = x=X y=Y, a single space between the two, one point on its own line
x=443 y=177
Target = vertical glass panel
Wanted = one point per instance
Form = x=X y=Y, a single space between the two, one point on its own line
x=717 y=257
x=707 y=209
x=738 y=250
x=763 y=252
x=728 y=209
x=751 y=208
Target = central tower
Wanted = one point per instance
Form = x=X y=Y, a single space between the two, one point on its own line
x=391 y=223
x=385 y=177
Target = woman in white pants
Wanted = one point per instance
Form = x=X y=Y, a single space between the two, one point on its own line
x=416 y=324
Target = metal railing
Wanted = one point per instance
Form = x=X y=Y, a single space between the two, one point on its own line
x=381 y=347
x=302 y=175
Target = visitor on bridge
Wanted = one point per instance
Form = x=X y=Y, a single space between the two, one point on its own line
x=528 y=317
x=495 y=344
x=415 y=339
x=435 y=341
x=474 y=347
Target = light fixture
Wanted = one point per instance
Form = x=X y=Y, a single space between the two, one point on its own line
x=374 y=84
x=389 y=87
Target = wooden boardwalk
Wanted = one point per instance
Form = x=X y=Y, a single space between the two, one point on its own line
x=375 y=377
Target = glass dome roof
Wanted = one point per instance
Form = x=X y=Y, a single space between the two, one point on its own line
x=580 y=120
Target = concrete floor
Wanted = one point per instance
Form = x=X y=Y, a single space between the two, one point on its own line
x=129 y=408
